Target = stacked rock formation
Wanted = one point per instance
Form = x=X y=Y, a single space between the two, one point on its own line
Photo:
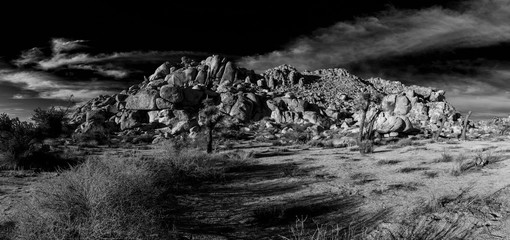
x=169 y=100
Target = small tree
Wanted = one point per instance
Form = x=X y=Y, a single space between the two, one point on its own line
x=52 y=122
x=210 y=116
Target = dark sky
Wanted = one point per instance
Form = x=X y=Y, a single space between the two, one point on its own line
x=51 y=50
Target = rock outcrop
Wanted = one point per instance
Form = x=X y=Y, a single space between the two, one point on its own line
x=172 y=96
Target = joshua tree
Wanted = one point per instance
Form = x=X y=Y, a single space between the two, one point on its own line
x=464 y=127
x=365 y=140
x=210 y=116
x=365 y=104
x=441 y=125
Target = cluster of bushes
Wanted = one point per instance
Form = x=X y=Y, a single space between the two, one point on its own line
x=118 y=197
x=21 y=142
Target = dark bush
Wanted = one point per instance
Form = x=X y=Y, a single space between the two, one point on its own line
x=51 y=122
x=21 y=148
x=16 y=141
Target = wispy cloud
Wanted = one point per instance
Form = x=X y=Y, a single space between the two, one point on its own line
x=395 y=32
x=117 y=73
x=18 y=96
x=49 y=86
x=64 y=53
x=39 y=70
x=61 y=45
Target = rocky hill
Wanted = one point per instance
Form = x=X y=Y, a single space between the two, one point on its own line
x=167 y=103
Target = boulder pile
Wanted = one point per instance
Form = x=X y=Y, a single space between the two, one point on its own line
x=168 y=101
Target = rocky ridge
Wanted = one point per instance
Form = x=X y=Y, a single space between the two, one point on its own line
x=167 y=102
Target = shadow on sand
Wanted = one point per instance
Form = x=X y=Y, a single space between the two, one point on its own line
x=261 y=201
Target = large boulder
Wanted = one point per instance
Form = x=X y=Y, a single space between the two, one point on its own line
x=153 y=116
x=190 y=74
x=177 y=78
x=389 y=102
x=171 y=93
x=165 y=117
x=227 y=101
x=161 y=71
x=156 y=83
x=387 y=123
x=145 y=99
x=311 y=117
x=277 y=115
x=242 y=109
x=402 y=105
x=215 y=65
x=419 y=112
x=202 y=75
x=296 y=105
x=164 y=104
x=228 y=73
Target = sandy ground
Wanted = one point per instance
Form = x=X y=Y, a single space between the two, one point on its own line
x=336 y=182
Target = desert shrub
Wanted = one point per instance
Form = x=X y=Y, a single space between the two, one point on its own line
x=445 y=157
x=98 y=200
x=461 y=164
x=464 y=163
x=297 y=137
x=366 y=146
x=233 y=134
x=122 y=197
x=96 y=135
x=482 y=159
x=190 y=166
x=183 y=142
x=51 y=122
x=21 y=149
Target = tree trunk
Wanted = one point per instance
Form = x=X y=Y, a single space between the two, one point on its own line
x=443 y=119
x=464 y=128
x=362 y=122
x=210 y=140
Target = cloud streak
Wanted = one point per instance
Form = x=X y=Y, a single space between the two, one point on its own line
x=65 y=54
x=476 y=24
x=49 y=86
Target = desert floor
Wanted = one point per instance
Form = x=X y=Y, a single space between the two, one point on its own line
x=330 y=186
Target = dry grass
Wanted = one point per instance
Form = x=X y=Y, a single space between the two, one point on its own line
x=448 y=217
x=412 y=169
x=465 y=163
x=445 y=157
x=362 y=178
x=431 y=174
x=388 y=162
x=405 y=142
x=117 y=197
